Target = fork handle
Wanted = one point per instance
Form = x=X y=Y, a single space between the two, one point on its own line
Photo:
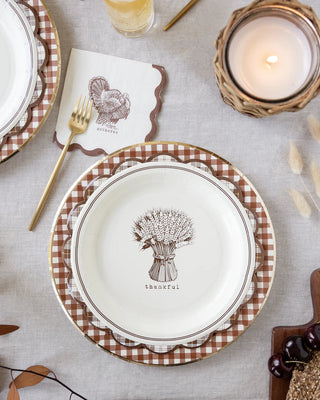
x=50 y=183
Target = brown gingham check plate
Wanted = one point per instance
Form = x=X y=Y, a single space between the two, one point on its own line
x=59 y=253
x=49 y=64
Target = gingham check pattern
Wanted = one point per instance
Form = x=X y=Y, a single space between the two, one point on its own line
x=21 y=134
x=60 y=252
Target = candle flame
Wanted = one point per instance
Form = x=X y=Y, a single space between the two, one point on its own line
x=272 y=60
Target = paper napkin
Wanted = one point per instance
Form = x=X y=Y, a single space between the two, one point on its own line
x=126 y=101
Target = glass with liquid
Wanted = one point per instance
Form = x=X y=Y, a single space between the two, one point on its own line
x=132 y=18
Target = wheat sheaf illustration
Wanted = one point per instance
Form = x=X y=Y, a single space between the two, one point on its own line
x=111 y=104
x=163 y=230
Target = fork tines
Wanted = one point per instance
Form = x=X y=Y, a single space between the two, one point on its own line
x=82 y=114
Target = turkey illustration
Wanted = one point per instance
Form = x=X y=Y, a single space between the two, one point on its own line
x=164 y=230
x=111 y=104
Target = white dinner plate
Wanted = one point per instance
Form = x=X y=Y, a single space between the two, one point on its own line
x=18 y=66
x=163 y=253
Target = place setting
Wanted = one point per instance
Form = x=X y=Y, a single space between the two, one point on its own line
x=162 y=334
x=162 y=253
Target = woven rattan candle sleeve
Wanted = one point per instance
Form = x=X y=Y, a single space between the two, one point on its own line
x=240 y=101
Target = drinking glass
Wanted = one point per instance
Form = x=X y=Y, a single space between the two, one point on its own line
x=132 y=18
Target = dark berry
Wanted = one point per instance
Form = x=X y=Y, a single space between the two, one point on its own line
x=278 y=367
x=312 y=337
x=295 y=350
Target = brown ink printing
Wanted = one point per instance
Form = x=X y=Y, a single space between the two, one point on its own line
x=162 y=287
x=164 y=230
x=111 y=104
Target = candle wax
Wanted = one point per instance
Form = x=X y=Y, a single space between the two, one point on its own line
x=270 y=57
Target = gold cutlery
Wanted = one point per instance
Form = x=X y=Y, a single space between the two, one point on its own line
x=78 y=124
x=180 y=14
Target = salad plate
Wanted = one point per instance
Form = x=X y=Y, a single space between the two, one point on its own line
x=18 y=67
x=157 y=243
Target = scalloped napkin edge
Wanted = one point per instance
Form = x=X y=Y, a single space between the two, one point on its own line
x=126 y=96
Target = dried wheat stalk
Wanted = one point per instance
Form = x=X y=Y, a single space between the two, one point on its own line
x=315 y=173
x=314 y=127
x=301 y=203
x=296 y=164
x=295 y=159
x=164 y=231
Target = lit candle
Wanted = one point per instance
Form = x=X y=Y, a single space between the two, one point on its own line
x=270 y=55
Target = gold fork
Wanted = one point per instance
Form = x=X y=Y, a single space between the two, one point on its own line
x=78 y=124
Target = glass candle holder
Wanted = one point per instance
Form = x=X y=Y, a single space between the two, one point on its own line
x=132 y=18
x=268 y=59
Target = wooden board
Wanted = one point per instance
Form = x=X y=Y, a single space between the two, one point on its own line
x=279 y=387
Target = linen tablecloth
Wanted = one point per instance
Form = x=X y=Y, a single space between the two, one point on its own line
x=192 y=112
